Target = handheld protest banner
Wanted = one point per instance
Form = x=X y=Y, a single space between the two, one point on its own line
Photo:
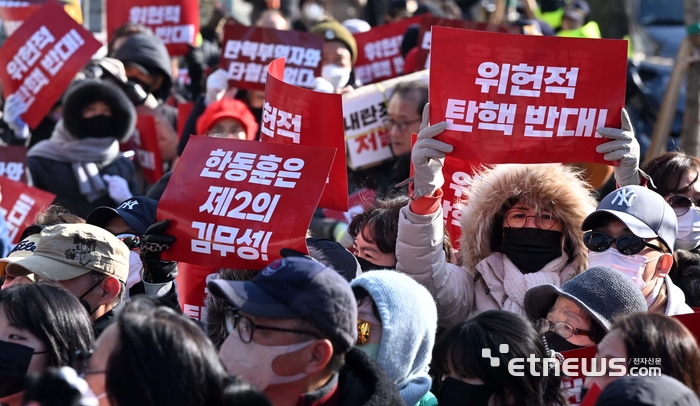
x=192 y=288
x=41 y=58
x=176 y=22
x=379 y=51
x=458 y=176
x=525 y=99
x=20 y=204
x=145 y=141
x=13 y=163
x=292 y=115
x=365 y=115
x=573 y=382
x=425 y=34
x=247 y=51
x=237 y=203
x=15 y=12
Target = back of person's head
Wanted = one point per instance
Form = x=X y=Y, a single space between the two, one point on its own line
x=380 y=223
x=647 y=391
x=668 y=170
x=162 y=358
x=408 y=88
x=458 y=353
x=237 y=393
x=52 y=315
x=651 y=335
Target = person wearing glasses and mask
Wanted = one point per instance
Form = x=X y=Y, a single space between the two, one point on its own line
x=579 y=313
x=634 y=230
x=291 y=334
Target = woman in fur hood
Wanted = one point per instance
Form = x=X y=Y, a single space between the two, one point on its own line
x=521 y=229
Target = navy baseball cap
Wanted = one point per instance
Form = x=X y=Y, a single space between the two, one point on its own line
x=138 y=213
x=297 y=287
x=643 y=211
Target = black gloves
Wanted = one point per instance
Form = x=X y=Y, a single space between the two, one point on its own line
x=154 y=242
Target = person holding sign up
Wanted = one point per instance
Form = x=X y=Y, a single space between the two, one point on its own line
x=521 y=229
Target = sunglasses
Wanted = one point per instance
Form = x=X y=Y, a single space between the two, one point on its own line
x=681 y=204
x=132 y=241
x=363 y=331
x=627 y=244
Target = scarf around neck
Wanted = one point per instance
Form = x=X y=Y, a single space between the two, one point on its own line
x=86 y=157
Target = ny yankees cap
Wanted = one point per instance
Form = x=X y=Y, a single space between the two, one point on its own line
x=643 y=211
x=138 y=213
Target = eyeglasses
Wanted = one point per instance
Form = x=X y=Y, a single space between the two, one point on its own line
x=627 y=244
x=562 y=328
x=132 y=241
x=518 y=219
x=246 y=327
x=363 y=330
x=80 y=361
x=402 y=125
x=681 y=204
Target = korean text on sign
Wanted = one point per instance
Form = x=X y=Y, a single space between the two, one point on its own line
x=161 y=17
x=20 y=204
x=247 y=206
x=533 y=100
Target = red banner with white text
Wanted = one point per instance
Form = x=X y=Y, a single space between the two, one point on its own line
x=248 y=50
x=236 y=203
x=42 y=57
x=292 y=115
x=15 y=12
x=20 y=204
x=534 y=100
x=176 y=22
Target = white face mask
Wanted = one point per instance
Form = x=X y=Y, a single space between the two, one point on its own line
x=135 y=268
x=632 y=266
x=688 y=230
x=336 y=75
x=312 y=12
x=253 y=362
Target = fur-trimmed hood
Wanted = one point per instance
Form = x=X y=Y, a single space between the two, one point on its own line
x=552 y=187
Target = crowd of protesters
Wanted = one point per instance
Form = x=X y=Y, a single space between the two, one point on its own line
x=384 y=310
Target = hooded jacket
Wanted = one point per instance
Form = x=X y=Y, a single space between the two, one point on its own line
x=479 y=284
x=149 y=52
x=58 y=163
x=409 y=322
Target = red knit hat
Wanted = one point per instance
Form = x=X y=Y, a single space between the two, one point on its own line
x=228 y=108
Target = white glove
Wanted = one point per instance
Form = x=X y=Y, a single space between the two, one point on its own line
x=428 y=157
x=12 y=115
x=624 y=148
x=118 y=188
x=217 y=84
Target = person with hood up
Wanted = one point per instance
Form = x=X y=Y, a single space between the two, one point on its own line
x=81 y=163
x=397 y=321
x=521 y=229
x=147 y=63
x=580 y=313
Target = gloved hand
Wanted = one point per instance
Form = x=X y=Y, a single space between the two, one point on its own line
x=428 y=157
x=624 y=148
x=58 y=387
x=217 y=84
x=12 y=115
x=118 y=188
x=154 y=242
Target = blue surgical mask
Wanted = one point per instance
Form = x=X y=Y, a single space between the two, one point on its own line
x=371 y=349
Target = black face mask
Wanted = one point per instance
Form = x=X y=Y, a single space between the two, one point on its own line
x=558 y=343
x=98 y=126
x=365 y=265
x=456 y=393
x=530 y=249
x=14 y=362
x=84 y=302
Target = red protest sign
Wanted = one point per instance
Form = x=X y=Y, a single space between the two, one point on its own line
x=572 y=382
x=15 y=12
x=534 y=100
x=425 y=34
x=291 y=115
x=592 y=395
x=176 y=22
x=49 y=47
x=192 y=288
x=235 y=203
x=20 y=204
x=379 y=51
x=145 y=145
x=183 y=113
x=13 y=163
x=692 y=322
x=458 y=176
x=248 y=50
x=359 y=201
